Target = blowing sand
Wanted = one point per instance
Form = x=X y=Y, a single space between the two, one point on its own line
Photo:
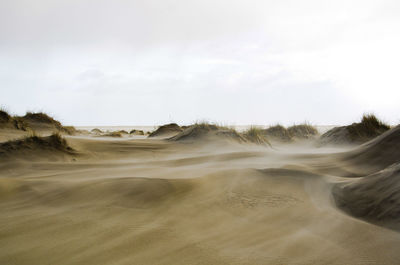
x=152 y=201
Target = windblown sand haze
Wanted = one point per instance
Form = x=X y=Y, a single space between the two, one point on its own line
x=202 y=194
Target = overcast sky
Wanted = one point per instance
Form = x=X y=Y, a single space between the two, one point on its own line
x=145 y=62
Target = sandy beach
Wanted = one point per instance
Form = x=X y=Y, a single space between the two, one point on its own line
x=208 y=199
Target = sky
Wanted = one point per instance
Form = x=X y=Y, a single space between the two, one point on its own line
x=135 y=62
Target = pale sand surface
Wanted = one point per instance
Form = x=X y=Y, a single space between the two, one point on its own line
x=149 y=201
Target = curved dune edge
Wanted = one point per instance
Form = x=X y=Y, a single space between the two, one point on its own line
x=373 y=196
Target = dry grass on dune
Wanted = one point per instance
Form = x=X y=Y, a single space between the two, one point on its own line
x=4 y=116
x=33 y=122
x=368 y=128
x=41 y=117
x=302 y=131
x=256 y=135
x=197 y=130
x=54 y=142
x=12 y=122
x=205 y=130
x=113 y=134
x=42 y=121
x=278 y=132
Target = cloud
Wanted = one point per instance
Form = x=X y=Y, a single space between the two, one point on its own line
x=200 y=59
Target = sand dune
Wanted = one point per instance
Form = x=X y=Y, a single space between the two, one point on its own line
x=35 y=147
x=201 y=200
x=357 y=133
x=377 y=153
x=374 y=195
x=167 y=130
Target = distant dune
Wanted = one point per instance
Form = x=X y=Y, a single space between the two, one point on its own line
x=356 y=133
x=167 y=130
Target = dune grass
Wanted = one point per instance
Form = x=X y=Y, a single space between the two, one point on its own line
x=206 y=125
x=41 y=117
x=256 y=135
x=369 y=127
x=33 y=141
x=302 y=131
x=4 y=116
x=278 y=132
x=113 y=134
x=9 y=121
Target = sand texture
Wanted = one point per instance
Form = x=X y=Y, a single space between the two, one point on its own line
x=199 y=200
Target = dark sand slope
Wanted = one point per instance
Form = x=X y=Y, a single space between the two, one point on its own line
x=356 y=133
x=378 y=153
x=376 y=195
x=197 y=201
x=15 y=127
x=166 y=131
x=35 y=148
